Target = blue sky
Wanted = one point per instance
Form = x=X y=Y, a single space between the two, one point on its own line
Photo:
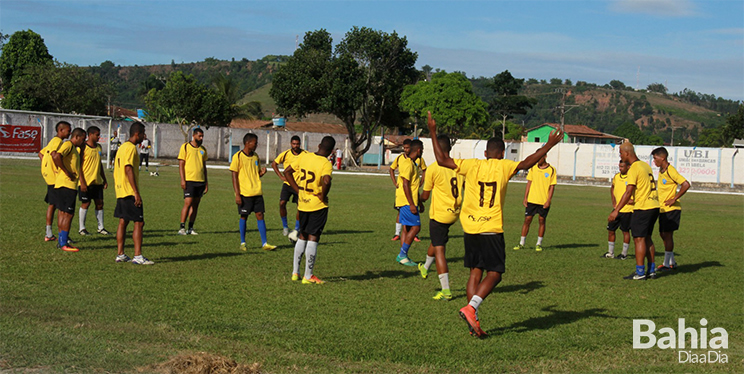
x=686 y=44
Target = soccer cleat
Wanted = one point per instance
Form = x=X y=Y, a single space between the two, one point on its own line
x=538 y=248
x=50 y=238
x=68 y=248
x=395 y=238
x=312 y=280
x=243 y=247
x=83 y=232
x=192 y=232
x=104 y=232
x=442 y=296
x=468 y=314
x=268 y=247
x=123 y=258
x=416 y=239
x=293 y=236
x=651 y=275
x=621 y=257
x=182 y=232
x=635 y=276
x=667 y=268
x=285 y=231
x=70 y=242
x=423 y=270
x=141 y=260
x=295 y=277
x=608 y=255
x=518 y=247
x=405 y=261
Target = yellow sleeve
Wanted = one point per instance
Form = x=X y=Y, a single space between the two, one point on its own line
x=676 y=176
x=463 y=166
x=280 y=159
x=127 y=157
x=406 y=170
x=327 y=169
x=182 y=152
x=422 y=164
x=633 y=175
x=510 y=167
x=554 y=177
x=205 y=154
x=65 y=149
x=530 y=173
x=235 y=164
x=431 y=175
x=394 y=165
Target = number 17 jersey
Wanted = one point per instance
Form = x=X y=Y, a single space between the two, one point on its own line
x=485 y=188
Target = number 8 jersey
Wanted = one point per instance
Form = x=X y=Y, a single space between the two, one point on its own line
x=446 y=193
x=311 y=169
x=485 y=188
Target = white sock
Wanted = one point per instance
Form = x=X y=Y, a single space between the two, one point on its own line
x=81 y=218
x=611 y=246
x=398 y=228
x=625 y=248
x=99 y=218
x=475 y=302
x=522 y=240
x=671 y=259
x=298 y=252
x=444 y=281
x=429 y=261
x=49 y=232
x=311 y=251
x=667 y=258
x=539 y=240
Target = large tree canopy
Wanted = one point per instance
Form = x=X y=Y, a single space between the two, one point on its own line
x=508 y=101
x=23 y=49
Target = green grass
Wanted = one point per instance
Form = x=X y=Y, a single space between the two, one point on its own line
x=562 y=310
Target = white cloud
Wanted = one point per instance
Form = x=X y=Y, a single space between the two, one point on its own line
x=663 y=8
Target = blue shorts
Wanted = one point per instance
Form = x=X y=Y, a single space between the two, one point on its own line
x=407 y=218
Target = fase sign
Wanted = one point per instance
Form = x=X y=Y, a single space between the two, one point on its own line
x=20 y=138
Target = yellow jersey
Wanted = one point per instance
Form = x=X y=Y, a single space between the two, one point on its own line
x=127 y=155
x=485 y=188
x=92 y=163
x=194 y=158
x=619 y=185
x=48 y=168
x=446 y=193
x=311 y=169
x=286 y=158
x=640 y=175
x=409 y=170
x=71 y=162
x=668 y=183
x=419 y=161
x=248 y=169
x=541 y=179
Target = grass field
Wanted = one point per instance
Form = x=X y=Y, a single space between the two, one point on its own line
x=562 y=310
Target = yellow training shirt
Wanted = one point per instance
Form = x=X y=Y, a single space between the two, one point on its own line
x=286 y=158
x=485 y=188
x=48 y=169
x=248 y=170
x=646 y=196
x=619 y=185
x=311 y=169
x=667 y=184
x=71 y=162
x=92 y=164
x=126 y=155
x=446 y=193
x=194 y=158
x=419 y=161
x=409 y=170
x=541 y=179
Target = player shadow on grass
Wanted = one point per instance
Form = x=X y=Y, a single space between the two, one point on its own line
x=555 y=318
x=688 y=268
x=203 y=256
x=370 y=275
x=572 y=245
x=521 y=288
x=333 y=232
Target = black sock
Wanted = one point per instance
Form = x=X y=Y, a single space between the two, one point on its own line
x=183 y=225
x=191 y=225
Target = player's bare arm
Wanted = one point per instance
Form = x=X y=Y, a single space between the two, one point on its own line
x=624 y=200
x=325 y=188
x=206 y=180
x=526 y=193
x=550 y=196
x=129 y=172
x=392 y=177
x=682 y=189
x=182 y=173
x=275 y=166
x=236 y=187
x=443 y=159
x=57 y=158
x=612 y=195
x=425 y=196
x=409 y=194
x=289 y=177
x=261 y=172
x=554 y=138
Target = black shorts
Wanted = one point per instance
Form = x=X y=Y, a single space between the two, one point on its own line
x=485 y=252
x=126 y=210
x=194 y=189
x=95 y=192
x=439 y=233
x=49 y=197
x=287 y=192
x=251 y=204
x=64 y=199
x=642 y=222
x=622 y=221
x=533 y=209
x=669 y=221
x=313 y=223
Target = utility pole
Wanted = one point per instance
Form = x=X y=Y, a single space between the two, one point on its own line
x=563 y=107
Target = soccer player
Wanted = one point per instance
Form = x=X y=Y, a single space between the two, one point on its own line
x=286 y=158
x=396 y=182
x=617 y=190
x=49 y=172
x=95 y=178
x=192 y=166
x=67 y=161
x=407 y=200
x=538 y=194
x=670 y=210
x=246 y=178
x=444 y=186
x=313 y=187
x=481 y=215
x=129 y=205
x=642 y=189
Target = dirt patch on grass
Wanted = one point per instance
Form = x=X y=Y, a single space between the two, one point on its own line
x=204 y=363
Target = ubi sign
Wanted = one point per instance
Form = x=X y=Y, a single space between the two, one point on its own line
x=705 y=346
x=699 y=165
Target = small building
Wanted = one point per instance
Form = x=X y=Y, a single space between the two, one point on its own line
x=573 y=134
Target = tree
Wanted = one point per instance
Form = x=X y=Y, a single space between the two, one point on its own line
x=711 y=138
x=617 y=85
x=734 y=127
x=556 y=81
x=657 y=87
x=426 y=69
x=630 y=131
x=508 y=102
x=450 y=98
x=23 y=49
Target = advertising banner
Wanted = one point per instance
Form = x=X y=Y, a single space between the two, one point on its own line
x=20 y=138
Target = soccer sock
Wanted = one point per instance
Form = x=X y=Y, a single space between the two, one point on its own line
x=429 y=261
x=475 y=302
x=297 y=225
x=298 y=252
x=611 y=246
x=81 y=218
x=63 y=238
x=262 y=230
x=640 y=269
x=625 y=248
x=183 y=225
x=242 y=230
x=311 y=251
x=539 y=240
x=522 y=240
x=398 y=228
x=444 y=281
x=99 y=218
x=652 y=267
x=667 y=258
x=671 y=258
x=49 y=232
x=284 y=222
x=191 y=225
x=404 y=250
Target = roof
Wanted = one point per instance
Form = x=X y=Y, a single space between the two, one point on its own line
x=578 y=130
x=316 y=127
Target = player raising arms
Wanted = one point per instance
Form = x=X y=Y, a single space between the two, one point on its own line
x=481 y=215
x=313 y=185
x=286 y=158
x=192 y=167
x=49 y=172
x=91 y=152
x=444 y=186
x=538 y=195
x=670 y=210
x=67 y=160
x=617 y=190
